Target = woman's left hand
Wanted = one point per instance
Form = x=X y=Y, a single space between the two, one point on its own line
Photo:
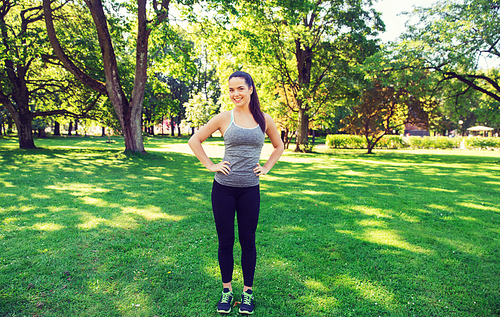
x=260 y=170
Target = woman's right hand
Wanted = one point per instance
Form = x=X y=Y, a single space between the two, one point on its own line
x=222 y=167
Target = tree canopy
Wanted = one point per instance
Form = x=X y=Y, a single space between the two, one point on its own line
x=317 y=64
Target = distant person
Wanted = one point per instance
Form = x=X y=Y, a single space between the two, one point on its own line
x=236 y=184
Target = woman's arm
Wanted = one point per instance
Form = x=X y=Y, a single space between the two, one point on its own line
x=201 y=135
x=274 y=136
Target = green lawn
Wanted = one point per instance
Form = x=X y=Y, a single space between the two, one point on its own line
x=87 y=231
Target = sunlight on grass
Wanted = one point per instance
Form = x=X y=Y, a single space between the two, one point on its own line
x=441 y=190
x=316 y=285
x=6 y=184
x=378 y=295
x=98 y=202
x=370 y=211
x=313 y=192
x=55 y=209
x=354 y=173
x=10 y=220
x=372 y=223
x=323 y=303
x=124 y=221
x=461 y=246
x=152 y=178
x=393 y=239
x=467 y=218
x=477 y=206
x=24 y=208
x=47 y=226
x=151 y=213
x=212 y=269
x=78 y=188
x=439 y=207
x=292 y=228
x=40 y=196
x=90 y=221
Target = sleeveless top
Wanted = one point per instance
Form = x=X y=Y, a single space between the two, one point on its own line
x=242 y=149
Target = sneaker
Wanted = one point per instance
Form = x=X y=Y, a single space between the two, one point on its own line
x=246 y=302
x=224 y=305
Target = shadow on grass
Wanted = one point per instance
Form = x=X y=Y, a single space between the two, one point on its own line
x=87 y=231
x=394 y=234
x=342 y=234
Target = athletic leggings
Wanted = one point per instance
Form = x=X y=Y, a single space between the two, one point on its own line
x=245 y=201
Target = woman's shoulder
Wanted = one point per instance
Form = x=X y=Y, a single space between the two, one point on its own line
x=268 y=117
x=223 y=116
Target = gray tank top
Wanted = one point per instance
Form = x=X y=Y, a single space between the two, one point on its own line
x=242 y=149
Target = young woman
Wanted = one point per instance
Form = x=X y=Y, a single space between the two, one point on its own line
x=236 y=184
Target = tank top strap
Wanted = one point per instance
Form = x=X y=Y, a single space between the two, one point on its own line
x=232 y=116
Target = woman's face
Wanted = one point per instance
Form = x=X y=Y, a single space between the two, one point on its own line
x=239 y=92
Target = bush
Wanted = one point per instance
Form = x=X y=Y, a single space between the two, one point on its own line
x=346 y=141
x=482 y=143
x=390 y=142
x=437 y=142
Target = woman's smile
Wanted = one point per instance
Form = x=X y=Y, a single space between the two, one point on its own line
x=239 y=91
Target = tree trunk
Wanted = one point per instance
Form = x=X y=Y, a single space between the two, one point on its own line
x=25 y=132
x=70 y=127
x=302 y=130
x=179 y=126
x=76 y=127
x=172 y=126
x=103 y=131
x=303 y=55
x=370 y=145
x=57 y=128
x=20 y=113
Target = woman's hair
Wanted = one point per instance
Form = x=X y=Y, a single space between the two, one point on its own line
x=254 y=105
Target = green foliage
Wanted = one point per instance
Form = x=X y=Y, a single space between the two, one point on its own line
x=454 y=38
x=347 y=141
x=303 y=52
x=199 y=110
x=391 y=142
x=482 y=143
x=439 y=142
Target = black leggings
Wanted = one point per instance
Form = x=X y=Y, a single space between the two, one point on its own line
x=246 y=201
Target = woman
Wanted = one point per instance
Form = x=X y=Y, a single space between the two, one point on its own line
x=236 y=182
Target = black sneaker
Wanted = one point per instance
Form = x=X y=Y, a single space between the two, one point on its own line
x=246 y=302
x=224 y=305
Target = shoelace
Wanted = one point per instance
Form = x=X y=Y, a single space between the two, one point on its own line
x=225 y=297
x=247 y=299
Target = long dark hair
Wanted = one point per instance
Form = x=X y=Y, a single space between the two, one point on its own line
x=254 y=105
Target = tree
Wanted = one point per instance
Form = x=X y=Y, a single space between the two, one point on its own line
x=199 y=110
x=453 y=38
x=29 y=80
x=308 y=46
x=128 y=110
x=384 y=109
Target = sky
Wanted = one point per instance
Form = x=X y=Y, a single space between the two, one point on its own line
x=395 y=23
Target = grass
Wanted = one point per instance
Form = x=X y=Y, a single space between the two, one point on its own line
x=87 y=231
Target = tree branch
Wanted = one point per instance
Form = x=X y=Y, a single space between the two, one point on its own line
x=463 y=78
x=68 y=64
